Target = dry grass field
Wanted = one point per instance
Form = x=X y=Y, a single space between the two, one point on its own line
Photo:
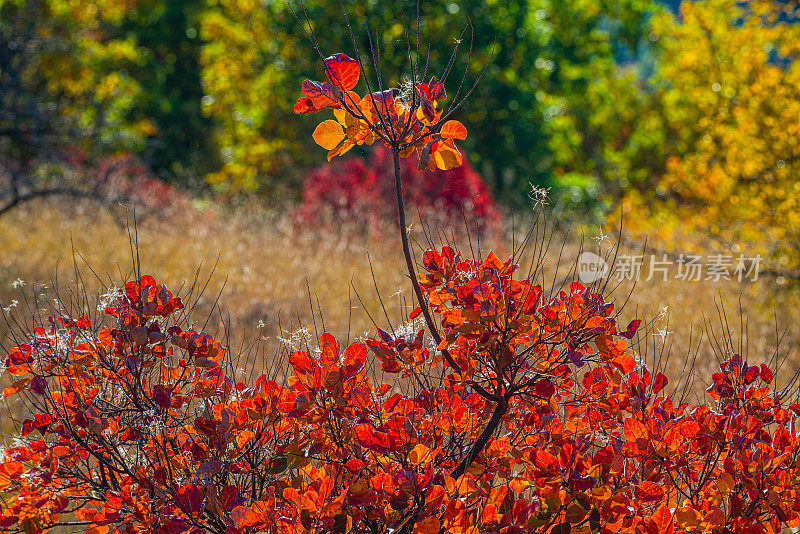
x=263 y=277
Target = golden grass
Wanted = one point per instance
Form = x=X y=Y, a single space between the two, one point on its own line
x=271 y=272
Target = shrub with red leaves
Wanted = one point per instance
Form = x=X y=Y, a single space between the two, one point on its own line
x=112 y=180
x=360 y=190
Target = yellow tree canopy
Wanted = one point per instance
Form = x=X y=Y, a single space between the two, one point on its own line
x=728 y=94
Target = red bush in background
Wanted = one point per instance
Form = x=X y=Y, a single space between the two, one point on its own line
x=360 y=190
x=113 y=180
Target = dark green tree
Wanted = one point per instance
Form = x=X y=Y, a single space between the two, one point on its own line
x=181 y=147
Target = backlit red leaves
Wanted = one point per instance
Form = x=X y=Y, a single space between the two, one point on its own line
x=342 y=71
x=405 y=125
x=432 y=91
x=303 y=363
x=631 y=330
x=372 y=439
x=659 y=382
x=587 y=441
x=317 y=96
x=635 y=431
x=661 y=522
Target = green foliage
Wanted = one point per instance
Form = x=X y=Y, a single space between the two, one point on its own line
x=200 y=89
x=65 y=79
x=547 y=56
x=166 y=34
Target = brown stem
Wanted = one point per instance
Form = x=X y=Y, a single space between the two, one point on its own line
x=497 y=415
x=401 y=213
x=501 y=405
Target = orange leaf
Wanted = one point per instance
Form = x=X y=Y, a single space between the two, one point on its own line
x=624 y=362
x=648 y=491
x=419 y=454
x=687 y=518
x=634 y=430
x=328 y=134
x=429 y=525
x=341 y=149
x=453 y=130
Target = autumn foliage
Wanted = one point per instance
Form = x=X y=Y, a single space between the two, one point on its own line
x=516 y=407
x=357 y=190
x=544 y=422
x=406 y=124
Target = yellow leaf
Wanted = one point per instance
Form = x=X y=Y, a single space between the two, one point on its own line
x=341 y=149
x=419 y=454
x=328 y=134
x=244 y=437
x=341 y=116
x=725 y=483
x=447 y=156
x=687 y=518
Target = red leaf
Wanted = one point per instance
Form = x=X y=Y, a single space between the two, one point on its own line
x=191 y=499
x=162 y=395
x=766 y=374
x=649 y=492
x=544 y=388
x=371 y=439
x=634 y=430
x=303 y=363
x=662 y=522
x=432 y=91
x=43 y=420
x=751 y=374
x=342 y=71
x=330 y=349
x=660 y=382
x=631 y=331
x=229 y=499
x=317 y=96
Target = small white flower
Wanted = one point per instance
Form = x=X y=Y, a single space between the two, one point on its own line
x=19 y=282
x=400 y=291
x=662 y=334
x=110 y=297
x=298 y=338
x=539 y=195
x=410 y=329
x=601 y=237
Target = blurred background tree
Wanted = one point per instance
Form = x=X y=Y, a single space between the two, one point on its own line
x=166 y=32
x=66 y=95
x=548 y=55
x=686 y=112
x=712 y=148
x=203 y=89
